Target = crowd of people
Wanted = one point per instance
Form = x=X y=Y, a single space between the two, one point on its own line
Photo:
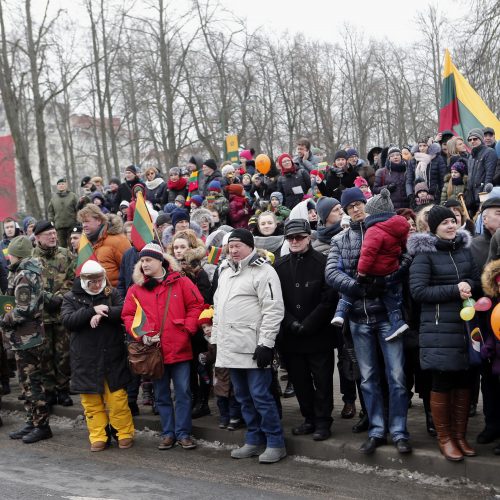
x=252 y=271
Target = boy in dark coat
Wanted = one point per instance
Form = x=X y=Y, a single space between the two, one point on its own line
x=382 y=247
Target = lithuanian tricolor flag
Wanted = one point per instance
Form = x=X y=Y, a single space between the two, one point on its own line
x=461 y=107
x=85 y=253
x=142 y=229
x=138 y=324
x=214 y=254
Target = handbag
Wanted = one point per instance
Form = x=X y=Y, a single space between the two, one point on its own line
x=147 y=360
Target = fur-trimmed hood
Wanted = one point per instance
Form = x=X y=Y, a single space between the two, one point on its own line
x=428 y=242
x=168 y=234
x=192 y=255
x=115 y=224
x=199 y=214
x=490 y=272
x=139 y=278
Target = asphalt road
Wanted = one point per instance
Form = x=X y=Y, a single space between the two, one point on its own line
x=64 y=468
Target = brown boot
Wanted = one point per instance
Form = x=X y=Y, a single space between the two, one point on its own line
x=459 y=419
x=441 y=408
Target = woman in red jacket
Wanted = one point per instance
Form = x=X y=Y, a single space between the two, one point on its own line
x=171 y=304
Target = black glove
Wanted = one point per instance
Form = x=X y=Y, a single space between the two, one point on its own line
x=391 y=187
x=364 y=280
x=54 y=304
x=376 y=289
x=263 y=355
x=297 y=329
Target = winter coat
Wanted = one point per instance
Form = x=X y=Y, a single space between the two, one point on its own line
x=323 y=236
x=216 y=175
x=129 y=260
x=58 y=273
x=309 y=163
x=307 y=299
x=155 y=190
x=62 y=209
x=396 y=177
x=174 y=189
x=239 y=212
x=97 y=355
x=125 y=191
x=455 y=189
x=336 y=181
x=436 y=170
x=480 y=248
x=181 y=321
x=219 y=202
x=341 y=272
x=300 y=180
x=383 y=244
x=481 y=168
x=437 y=268
x=110 y=246
x=248 y=308
x=282 y=213
x=112 y=201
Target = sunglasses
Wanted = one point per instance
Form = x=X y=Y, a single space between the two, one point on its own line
x=296 y=237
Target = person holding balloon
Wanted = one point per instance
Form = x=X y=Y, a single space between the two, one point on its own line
x=443 y=274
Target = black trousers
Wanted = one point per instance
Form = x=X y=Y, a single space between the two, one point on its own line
x=490 y=387
x=312 y=377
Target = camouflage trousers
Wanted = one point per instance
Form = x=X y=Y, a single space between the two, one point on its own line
x=63 y=236
x=29 y=363
x=56 y=367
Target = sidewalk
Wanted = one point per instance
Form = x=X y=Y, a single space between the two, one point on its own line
x=343 y=444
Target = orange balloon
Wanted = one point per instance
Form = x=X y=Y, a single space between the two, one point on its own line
x=495 y=321
x=263 y=164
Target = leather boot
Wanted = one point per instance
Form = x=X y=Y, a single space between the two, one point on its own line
x=441 y=414
x=459 y=419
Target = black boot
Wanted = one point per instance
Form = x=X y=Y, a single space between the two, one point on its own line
x=289 y=391
x=362 y=424
x=6 y=387
x=37 y=434
x=429 y=422
x=134 y=408
x=22 y=432
x=147 y=394
x=64 y=399
x=201 y=407
x=50 y=398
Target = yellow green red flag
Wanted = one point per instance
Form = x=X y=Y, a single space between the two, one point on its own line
x=85 y=253
x=142 y=228
x=139 y=322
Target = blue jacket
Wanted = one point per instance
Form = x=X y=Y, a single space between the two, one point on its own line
x=129 y=259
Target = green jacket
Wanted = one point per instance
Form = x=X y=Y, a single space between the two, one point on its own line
x=26 y=285
x=58 y=273
x=62 y=209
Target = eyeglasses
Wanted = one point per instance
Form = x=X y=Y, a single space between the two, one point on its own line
x=296 y=237
x=355 y=204
x=474 y=139
x=97 y=281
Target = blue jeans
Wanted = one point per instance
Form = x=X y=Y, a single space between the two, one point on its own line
x=174 y=423
x=229 y=409
x=252 y=389
x=365 y=339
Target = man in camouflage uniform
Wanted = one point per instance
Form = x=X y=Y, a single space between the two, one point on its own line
x=24 y=329
x=58 y=275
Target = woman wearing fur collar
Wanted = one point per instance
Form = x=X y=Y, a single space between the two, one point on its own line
x=442 y=276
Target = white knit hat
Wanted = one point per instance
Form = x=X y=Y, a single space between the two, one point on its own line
x=152 y=250
x=92 y=268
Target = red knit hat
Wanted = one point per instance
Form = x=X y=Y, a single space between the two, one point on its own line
x=360 y=181
x=318 y=173
x=280 y=159
x=236 y=189
x=207 y=315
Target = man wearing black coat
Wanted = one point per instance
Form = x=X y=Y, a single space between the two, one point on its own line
x=306 y=336
x=340 y=176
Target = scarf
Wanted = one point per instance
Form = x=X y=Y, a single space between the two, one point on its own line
x=154 y=183
x=325 y=234
x=423 y=160
x=457 y=181
x=397 y=167
x=192 y=185
x=177 y=185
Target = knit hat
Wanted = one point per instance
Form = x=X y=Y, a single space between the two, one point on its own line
x=247 y=154
x=226 y=170
x=179 y=214
x=197 y=200
x=407 y=213
x=91 y=269
x=139 y=187
x=215 y=186
x=163 y=219
x=476 y=132
x=41 y=226
x=459 y=166
x=393 y=149
x=297 y=226
x=350 y=195
x=360 y=181
x=62 y=179
x=28 y=221
x=124 y=203
x=114 y=180
x=324 y=206
x=278 y=196
x=321 y=175
x=169 y=208
x=352 y=152
x=206 y=317
x=235 y=189
x=153 y=250
x=21 y=247
x=243 y=235
x=340 y=154
x=380 y=203
x=280 y=159
x=131 y=168
x=438 y=214
x=174 y=171
x=180 y=199
x=210 y=164
x=421 y=186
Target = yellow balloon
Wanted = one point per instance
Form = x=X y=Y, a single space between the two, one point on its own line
x=467 y=313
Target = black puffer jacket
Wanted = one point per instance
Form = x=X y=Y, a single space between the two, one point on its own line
x=96 y=354
x=341 y=271
x=308 y=300
x=300 y=180
x=437 y=268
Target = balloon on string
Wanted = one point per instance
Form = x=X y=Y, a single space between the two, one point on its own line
x=467 y=313
x=263 y=164
x=483 y=304
x=468 y=302
x=495 y=321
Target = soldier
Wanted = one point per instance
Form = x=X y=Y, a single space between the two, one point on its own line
x=58 y=275
x=24 y=329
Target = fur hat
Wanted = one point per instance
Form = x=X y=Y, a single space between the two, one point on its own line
x=380 y=203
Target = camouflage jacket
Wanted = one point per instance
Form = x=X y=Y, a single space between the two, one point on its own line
x=26 y=285
x=58 y=273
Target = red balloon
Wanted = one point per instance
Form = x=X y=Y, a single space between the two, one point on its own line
x=495 y=321
x=483 y=304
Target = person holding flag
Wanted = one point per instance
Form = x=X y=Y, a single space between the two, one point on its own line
x=91 y=311
x=163 y=306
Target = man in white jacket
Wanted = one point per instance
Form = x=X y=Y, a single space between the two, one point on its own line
x=248 y=312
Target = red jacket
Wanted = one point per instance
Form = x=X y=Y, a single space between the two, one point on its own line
x=181 y=322
x=237 y=215
x=383 y=244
